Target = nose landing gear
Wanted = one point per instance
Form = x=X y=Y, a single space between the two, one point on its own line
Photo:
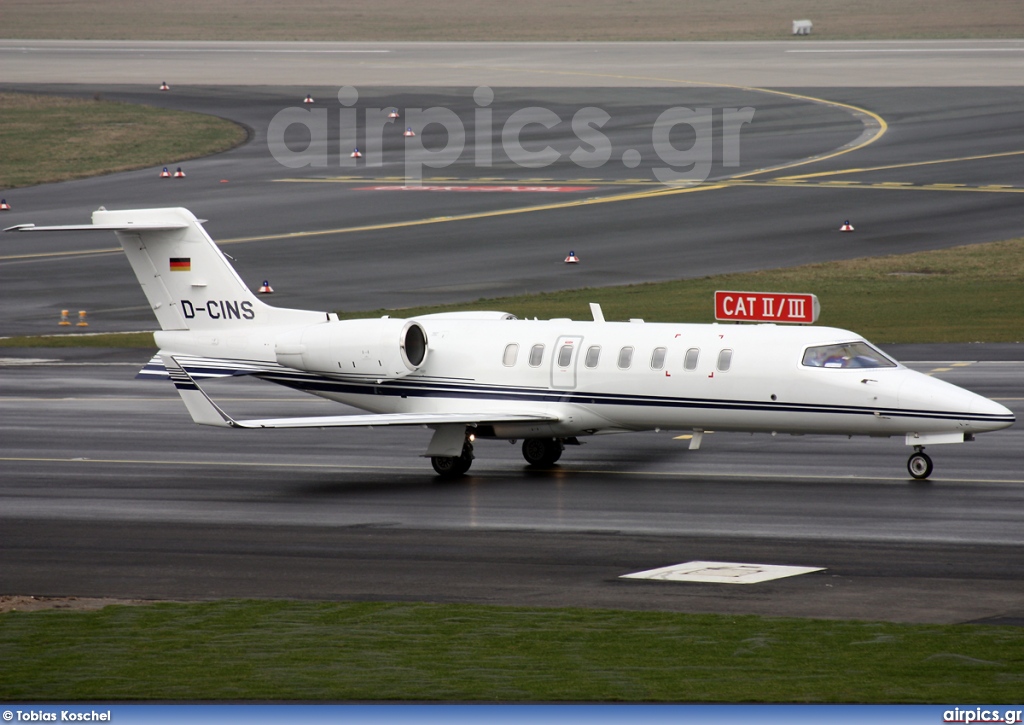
x=919 y=464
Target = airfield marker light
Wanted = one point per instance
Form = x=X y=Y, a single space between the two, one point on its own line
x=409 y=132
x=4 y=206
x=165 y=174
x=266 y=289
x=164 y=86
x=847 y=227
x=394 y=113
x=64 y=322
x=356 y=154
x=81 y=319
x=179 y=174
x=572 y=258
x=309 y=99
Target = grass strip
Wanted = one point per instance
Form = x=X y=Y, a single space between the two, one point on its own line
x=113 y=339
x=964 y=294
x=51 y=138
x=278 y=650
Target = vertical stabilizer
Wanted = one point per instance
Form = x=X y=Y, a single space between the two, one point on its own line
x=187 y=279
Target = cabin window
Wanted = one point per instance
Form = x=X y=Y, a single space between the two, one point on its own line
x=724 y=360
x=593 y=355
x=536 y=355
x=846 y=355
x=625 y=358
x=565 y=356
x=511 y=353
x=690 y=362
x=658 y=358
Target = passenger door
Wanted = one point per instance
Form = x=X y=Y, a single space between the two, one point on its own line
x=563 y=362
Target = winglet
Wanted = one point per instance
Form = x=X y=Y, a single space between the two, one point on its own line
x=203 y=410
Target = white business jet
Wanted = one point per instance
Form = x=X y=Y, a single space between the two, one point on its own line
x=470 y=375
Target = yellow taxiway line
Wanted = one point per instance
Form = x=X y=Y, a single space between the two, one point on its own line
x=908 y=165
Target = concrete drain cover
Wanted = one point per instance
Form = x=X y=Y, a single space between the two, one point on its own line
x=721 y=572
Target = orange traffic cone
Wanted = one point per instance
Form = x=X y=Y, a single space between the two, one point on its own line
x=266 y=289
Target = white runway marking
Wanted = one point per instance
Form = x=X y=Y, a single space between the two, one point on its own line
x=721 y=572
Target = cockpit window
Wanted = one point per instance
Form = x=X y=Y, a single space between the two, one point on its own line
x=846 y=355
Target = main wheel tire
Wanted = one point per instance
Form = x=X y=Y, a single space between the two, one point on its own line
x=541 y=452
x=920 y=466
x=453 y=466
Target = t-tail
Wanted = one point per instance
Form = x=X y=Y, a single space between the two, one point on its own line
x=187 y=279
x=201 y=303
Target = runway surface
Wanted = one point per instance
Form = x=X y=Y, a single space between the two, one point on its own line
x=109 y=490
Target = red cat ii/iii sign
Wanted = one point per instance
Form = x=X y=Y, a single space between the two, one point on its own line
x=766 y=307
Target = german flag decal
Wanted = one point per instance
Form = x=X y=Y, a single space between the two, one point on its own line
x=181 y=264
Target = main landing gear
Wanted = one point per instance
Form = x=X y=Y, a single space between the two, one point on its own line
x=538 y=452
x=454 y=466
x=541 y=452
x=919 y=464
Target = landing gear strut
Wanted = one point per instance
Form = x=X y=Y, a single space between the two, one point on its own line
x=540 y=452
x=454 y=466
x=919 y=464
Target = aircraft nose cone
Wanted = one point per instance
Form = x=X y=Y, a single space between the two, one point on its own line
x=923 y=393
x=983 y=406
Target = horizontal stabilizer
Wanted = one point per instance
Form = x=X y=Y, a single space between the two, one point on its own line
x=127 y=227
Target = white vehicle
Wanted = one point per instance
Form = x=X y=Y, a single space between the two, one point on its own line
x=470 y=375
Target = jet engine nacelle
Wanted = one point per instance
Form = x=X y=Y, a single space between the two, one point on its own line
x=383 y=348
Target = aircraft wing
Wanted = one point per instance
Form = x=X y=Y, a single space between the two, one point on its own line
x=206 y=412
x=373 y=420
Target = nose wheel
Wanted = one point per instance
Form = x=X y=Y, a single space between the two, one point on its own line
x=919 y=464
